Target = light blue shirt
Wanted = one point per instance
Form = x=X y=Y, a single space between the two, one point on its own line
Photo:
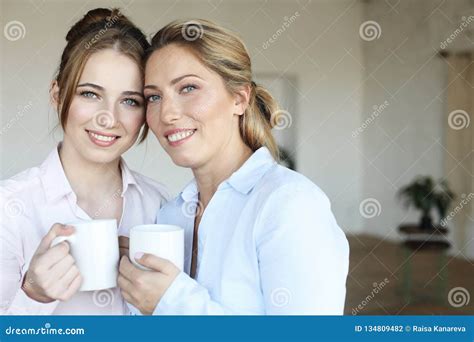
x=268 y=243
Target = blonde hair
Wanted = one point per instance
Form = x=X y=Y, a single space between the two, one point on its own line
x=99 y=29
x=225 y=53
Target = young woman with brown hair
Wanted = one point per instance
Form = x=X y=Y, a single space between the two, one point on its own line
x=98 y=93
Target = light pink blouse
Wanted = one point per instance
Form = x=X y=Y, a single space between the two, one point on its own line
x=30 y=203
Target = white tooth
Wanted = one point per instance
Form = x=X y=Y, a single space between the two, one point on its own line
x=102 y=137
x=180 y=135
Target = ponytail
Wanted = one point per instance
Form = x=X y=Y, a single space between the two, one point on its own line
x=256 y=123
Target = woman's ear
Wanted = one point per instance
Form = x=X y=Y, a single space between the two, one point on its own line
x=242 y=99
x=54 y=94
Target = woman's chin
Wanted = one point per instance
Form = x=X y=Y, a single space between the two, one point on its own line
x=97 y=154
x=102 y=157
x=183 y=160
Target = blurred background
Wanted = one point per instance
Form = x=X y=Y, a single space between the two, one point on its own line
x=377 y=101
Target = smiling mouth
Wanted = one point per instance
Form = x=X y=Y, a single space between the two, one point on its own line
x=102 y=139
x=181 y=135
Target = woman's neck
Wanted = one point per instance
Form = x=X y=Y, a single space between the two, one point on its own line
x=219 y=168
x=89 y=179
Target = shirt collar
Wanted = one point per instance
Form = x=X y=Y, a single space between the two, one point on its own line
x=190 y=191
x=244 y=179
x=56 y=185
x=128 y=178
x=249 y=174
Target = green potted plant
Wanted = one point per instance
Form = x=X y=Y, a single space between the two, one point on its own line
x=425 y=194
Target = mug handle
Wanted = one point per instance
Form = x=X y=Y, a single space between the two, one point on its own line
x=70 y=239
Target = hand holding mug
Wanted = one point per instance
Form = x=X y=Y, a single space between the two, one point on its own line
x=144 y=288
x=95 y=249
x=156 y=259
x=52 y=274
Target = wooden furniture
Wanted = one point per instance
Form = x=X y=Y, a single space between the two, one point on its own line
x=415 y=240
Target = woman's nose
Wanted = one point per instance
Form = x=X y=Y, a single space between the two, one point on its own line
x=169 y=112
x=106 y=118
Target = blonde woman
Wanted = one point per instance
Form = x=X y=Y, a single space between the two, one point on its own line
x=98 y=93
x=262 y=238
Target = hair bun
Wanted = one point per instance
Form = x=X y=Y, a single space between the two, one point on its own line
x=93 y=18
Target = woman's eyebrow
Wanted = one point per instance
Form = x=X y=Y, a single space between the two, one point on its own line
x=149 y=86
x=98 y=87
x=177 y=79
x=173 y=81
x=131 y=92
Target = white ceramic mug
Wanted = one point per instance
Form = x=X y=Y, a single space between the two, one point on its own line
x=95 y=249
x=163 y=240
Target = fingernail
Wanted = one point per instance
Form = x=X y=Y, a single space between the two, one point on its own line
x=138 y=255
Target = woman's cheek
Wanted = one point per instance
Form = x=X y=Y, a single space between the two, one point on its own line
x=149 y=117
x=132 y=122
x=196 y=110
x=152 y=118
x=81 y=111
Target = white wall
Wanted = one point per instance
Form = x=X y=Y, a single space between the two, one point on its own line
x=337 y=78
x=320 y=50
x=407 y=138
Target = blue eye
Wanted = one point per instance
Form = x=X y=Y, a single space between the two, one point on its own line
x=188 y=88
x=153 y=98
x=131 y=102
x=89 y=94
